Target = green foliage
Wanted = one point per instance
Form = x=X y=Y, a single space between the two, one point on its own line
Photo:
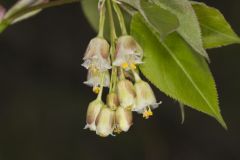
x=89 y=8
x=161 y=20
x=216 y=31
x=174 y=35
x=177 y=70
x=189 y=27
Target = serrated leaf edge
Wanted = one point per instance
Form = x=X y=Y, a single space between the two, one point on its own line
x=218 y=116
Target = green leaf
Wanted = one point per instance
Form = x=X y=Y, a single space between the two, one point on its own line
x=216 y=31
x=174 y=67
x=90 y=10
x=189 y=27
x=161 y=20
x=134 y=4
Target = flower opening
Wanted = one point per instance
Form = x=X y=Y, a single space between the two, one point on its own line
x=128 y=53
x=94 y=78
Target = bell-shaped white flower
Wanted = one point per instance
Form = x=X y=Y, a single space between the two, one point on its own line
x=126 y=93
x=123 y=119
x=128 y=53
x=94 y=78
x=93 y=111
x=97 y=54
x=145 y=99
x=105 y=122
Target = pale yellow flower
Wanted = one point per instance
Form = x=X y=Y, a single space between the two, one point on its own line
x=123 y=119
x=105 y=122
x=126 y=93
x=93 y=111
x=145 y=99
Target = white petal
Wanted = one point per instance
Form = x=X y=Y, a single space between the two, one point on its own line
x=91 y=127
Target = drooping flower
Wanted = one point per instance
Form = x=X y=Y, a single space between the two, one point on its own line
x=145 y=99
x=123 y=119
x=97 y=55
x=105 y=122
x=95 y=77
x=126 y=93
x=97 y=61
x=128 y=53
x=93 y=111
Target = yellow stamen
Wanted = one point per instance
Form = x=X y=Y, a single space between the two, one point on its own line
x=124 y=65
x=133 y=66
x=117 y=130
x=96 y=89
x=147 y=113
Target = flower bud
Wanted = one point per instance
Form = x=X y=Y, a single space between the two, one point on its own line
x=128 y=53
x=112 y=101
x=97 y=54
x=94 y=78
x=126 y=93
x=105 y=122
x=93 y=111
x=123 y=119
x=145 y=99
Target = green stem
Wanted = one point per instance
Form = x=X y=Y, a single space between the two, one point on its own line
x=182 y=112
x=99 y=97
x=111 y=23
x=40 y=6
x=114 y=78
x=6 y=22
x=101 y=20
x=120 y=18
x=111 y=88
x=112 y=50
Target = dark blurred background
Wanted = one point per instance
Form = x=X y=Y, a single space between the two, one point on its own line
x=43 y=100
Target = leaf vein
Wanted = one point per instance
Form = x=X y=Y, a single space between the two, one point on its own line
x=189 y=77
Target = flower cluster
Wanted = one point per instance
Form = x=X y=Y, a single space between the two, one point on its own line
x=127 y=91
